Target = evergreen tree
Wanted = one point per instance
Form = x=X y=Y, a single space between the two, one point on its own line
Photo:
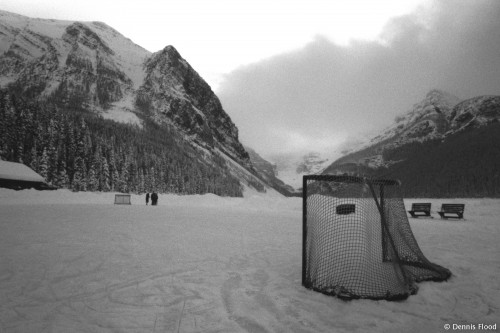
x=93 y=181
x=80 y=171
x=62 y=178
x=80 y=175
x=141 y=185
x=104 y=180
x=34 y=159
x=52 y=172
x=70 y=149
x=79 y=150
x=44 y=164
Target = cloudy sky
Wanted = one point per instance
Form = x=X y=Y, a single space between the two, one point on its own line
x=309 y=75
x=323 y=94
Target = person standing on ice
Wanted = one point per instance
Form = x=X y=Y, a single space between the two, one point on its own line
x=147 y=198
x=154 y=199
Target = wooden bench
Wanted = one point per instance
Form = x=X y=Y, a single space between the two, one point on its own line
x=454 y=209
x=420 y=209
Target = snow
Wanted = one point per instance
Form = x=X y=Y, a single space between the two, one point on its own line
x=130 y=56
x=74 y=262
x=241 y=173
x=6 y=80
x=51 y=28
x=121 y=111
x=19 y=171
x=289 y=165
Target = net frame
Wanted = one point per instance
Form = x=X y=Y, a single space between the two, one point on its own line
x=364 y=249
x=123 y=199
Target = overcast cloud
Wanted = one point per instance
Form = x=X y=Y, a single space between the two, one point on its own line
x=315 y=98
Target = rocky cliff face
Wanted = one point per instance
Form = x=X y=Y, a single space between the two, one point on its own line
x=173 y=91
x=91 y=67
x=426 y=120
x=90 y=75
x=474 y=112
x=65 y=62
x=268 y=172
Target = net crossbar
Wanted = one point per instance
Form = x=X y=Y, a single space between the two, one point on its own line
x=357 y=240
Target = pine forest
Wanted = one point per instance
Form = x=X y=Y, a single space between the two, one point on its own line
x=81 y=151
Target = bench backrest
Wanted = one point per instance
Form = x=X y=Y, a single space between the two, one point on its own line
x=453 y=208
x=426 y=207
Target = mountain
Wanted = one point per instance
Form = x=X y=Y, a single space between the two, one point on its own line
x=267 y=170
x=88 y=69
x=291 y=167
x=426 y=120
x=442 y=147
x=172 y=91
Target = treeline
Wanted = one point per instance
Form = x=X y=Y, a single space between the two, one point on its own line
x=466 y=164
x=83 y=152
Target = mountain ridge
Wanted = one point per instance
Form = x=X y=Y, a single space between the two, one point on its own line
x=90 y=67
x=427 y=140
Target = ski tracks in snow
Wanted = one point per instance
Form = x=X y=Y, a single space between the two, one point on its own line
x=251 y=302
x=98 y=268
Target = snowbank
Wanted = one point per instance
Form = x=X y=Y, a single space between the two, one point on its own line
x=253 y=200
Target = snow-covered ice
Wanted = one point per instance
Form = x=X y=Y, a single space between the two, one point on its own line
x=74 y=262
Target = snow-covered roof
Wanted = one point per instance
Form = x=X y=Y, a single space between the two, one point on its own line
x=18 y=171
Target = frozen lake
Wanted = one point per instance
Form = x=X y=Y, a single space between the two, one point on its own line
x=74 y=262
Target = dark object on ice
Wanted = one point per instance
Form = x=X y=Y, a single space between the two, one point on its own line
x=147 y=198
x=17 y=176
x=345 y=209
x=454 y=209
x=423 y=208
x=122 y=199
x=370 y=253
x=154 y=199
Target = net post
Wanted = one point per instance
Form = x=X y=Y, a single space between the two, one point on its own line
x=304 y=229
x=385 y=255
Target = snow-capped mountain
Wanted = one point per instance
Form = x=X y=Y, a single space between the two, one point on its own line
x=442 y=146
x=89 y=66
x=426 y=120
x=292 y=167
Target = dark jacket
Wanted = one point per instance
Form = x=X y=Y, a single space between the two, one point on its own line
x=154 y=198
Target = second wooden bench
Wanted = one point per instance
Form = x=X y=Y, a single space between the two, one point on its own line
x=457 y=210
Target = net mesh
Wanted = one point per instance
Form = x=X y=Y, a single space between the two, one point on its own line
x=358 y=242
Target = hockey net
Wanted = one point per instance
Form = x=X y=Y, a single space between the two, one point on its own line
x=357 y=241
